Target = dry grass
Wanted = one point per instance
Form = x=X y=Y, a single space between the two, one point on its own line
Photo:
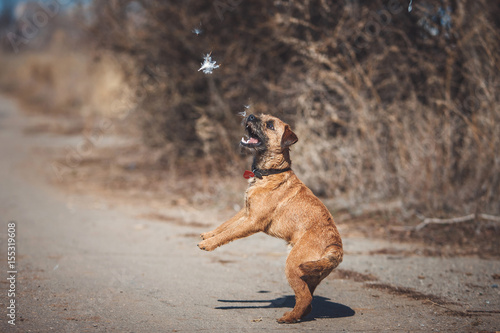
x=386 y=107
x=383 y=108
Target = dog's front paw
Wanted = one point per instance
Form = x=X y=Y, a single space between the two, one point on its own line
x=207 y=245
x=207 y=235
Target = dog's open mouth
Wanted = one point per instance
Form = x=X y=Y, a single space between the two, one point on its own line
x=251 y=140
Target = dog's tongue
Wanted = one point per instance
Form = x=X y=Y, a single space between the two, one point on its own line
x=250 y=140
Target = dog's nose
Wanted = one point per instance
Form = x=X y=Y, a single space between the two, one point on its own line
x=251 y=117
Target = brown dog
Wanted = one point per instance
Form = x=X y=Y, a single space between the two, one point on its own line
x=279 y=204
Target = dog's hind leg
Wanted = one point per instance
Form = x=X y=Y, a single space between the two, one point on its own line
x=303 y=296
x=302 y=285
x=331 y=258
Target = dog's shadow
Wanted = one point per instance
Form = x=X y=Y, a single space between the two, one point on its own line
x=322 y=307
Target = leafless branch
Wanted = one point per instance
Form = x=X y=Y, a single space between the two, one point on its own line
x=427 y=220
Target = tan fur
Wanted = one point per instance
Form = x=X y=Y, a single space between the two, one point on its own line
x=282 y=206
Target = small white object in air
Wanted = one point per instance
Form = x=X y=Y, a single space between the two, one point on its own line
x=208 y=65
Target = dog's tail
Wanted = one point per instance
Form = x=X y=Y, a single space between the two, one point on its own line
x=332 y=258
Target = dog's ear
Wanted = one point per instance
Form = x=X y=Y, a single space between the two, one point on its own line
x=288 y=138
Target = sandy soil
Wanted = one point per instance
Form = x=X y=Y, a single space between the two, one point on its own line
x=118 y=260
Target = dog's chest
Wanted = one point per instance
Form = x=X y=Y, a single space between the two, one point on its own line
x=262 y=195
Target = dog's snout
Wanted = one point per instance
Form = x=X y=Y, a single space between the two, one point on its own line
x=251 y=118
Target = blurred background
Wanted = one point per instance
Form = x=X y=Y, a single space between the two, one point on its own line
x=394 y=109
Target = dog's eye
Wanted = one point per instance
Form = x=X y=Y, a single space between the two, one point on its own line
x=270 y=125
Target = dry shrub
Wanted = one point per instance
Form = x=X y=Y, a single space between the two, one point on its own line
x=67 y=81
x=391 y=111
x=387 y=104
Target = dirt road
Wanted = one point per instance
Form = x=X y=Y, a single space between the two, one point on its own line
x=87 y=264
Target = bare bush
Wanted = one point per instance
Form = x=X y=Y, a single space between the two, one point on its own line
x=392 y=106
x=387 y=104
